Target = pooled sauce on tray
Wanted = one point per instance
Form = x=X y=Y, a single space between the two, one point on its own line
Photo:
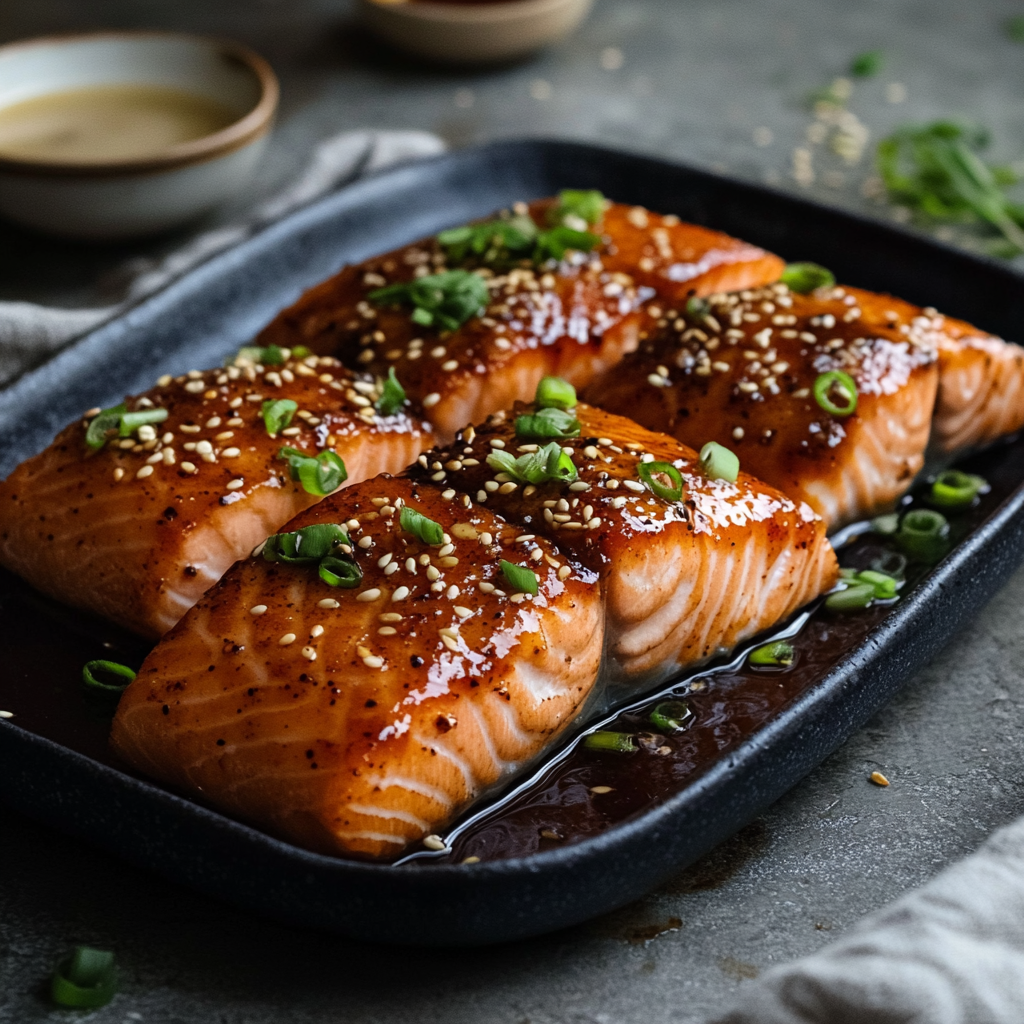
x=578 y=795
x=106 y=123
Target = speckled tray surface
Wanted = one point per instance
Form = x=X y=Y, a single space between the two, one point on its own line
x=59 y=775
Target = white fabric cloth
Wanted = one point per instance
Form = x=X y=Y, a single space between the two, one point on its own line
x=951 y=952
x=29 y=332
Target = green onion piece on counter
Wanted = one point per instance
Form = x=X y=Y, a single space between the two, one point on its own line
x=886 y=525
x=106 y=677
x=445 y=301
x=131 y=421
x=422 y=528
x=85 y=979
x=554 y=393
x=697 y=308
x=618 y=742
x=923 y=535
x=953 y=489
x=670 y=715
x=866 y=65
x=545 y=465
x=547 y=424
x=777 y=653
x=803 y=278
x=339 y=572
x=520 y=578
x=718 y=463
x=102 y=424
x=854 y=597
x=320 y=474
x=836 y=392
x=554 y=243
x=278 y=413
x=586 y=204
x=305 y=546
x=663 y=479
x=392 y=395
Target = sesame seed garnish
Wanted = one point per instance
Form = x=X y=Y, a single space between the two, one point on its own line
x=431 y=400
x=328 y=602
x=288 y=638
x=389 y=617
x=236 y=484
x=316 y=631
x=372 y=661
x=384 y=560
x=879 y=779
x=564 y=572
x=373 y=594
x=118 y=474
x=737 y=433
x=387 y=631
x=633 y=485
x=309 y=653
x=6 y=714
x=497 y=443
x=447 y=563
x=462 y=611
x=365 y=542
x=258 y=609
x=144 y=472
x=231 y=453
x=399 y=595
x=433 y=842
x=579 y=486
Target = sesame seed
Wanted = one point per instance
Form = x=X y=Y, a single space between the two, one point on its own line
x=433 y=842
x=618 y=502
x=365 y=542
x=389 y=617
x=564 y=572
x=384 y=560
x=164 y=380
x=737 y=433
x=372 y=661
x=462 y=611
x=168 y=456
x=372 y=594
x=600 y=790
x=720 y=367
x=448 y=563
x=497 y=443
x=118 y=474
x=446 y=549
x=879 y=779
x=633 y=485
x=6 y=714
x=802 y=393
x=432 y=573
x=144 y=472
x=309 y=653
x=486 y=538
x=387 y=631
x=593 y=524
x=448 y=494
x=507 y=488
x=399 y=595
x=452 y=592
x=236 y=484
x=579 y=486
x=431 y=400
x=316 y=631
x=328 y=602
x=193 y=387
x=438 y=476
x=486 y=587
x=189 y=467
x=288 y=638
x=449 y=365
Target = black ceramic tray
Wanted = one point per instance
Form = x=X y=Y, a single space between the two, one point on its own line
x=50 y=774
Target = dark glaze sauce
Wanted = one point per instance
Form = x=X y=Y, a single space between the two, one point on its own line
x=45 y=646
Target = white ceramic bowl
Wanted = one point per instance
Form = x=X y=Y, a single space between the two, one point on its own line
x=120 y=199
x=473 y=33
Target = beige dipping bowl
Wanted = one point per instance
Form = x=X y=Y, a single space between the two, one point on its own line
x=474 y=33
x=78 y=191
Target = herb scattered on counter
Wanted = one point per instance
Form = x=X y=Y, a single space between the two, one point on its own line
x=543 y=466
x=519 y=578
x=320 y=474
x=803 y=278
x=777 y=653
x=277 y=414
x=663 y=479
x=547 y=424
x=445 y=301
x=106 y=677
x=617 y=742
x=554 y=393
x=718 y=463
x=670 y=715
x=85 y=979
x=422 y=528
x=953 y=489
x=392 y=395
x=937 y=171
x=868 y=64
x=836 y=392
x=118 y=418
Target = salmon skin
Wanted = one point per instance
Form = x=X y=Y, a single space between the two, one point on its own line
x=138 y=530
x=684 y=580
x=355 y=721
x=574 y=317
x=741 y=370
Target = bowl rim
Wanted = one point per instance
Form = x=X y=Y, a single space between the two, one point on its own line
x=255 y=123
x=469 y=14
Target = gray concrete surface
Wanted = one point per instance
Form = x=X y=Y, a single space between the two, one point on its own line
x=700 y=81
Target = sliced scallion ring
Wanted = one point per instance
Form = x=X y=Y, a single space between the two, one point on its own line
x=545 y=465
x=777 y=653
x=277 y=414
x=546 y=425
x=718 y=463
x=855 y=596
x=131 y=421
x=422 y=528
x=617 y=742
x=670 y=715
x=955 y=490
x=662 y=478
x=555 y=393
x=306 y=546
x=836 y=393
x=803 y=278
x=103 y=424
x=884 y=585
x=392 y=395
x=107 y=677
x=923 y=535
x=85 y=979
x=520 y=578
x=339 y=572
x=320 y=474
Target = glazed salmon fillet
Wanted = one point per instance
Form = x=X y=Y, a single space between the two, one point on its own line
x=573 y=316
x=354 y=721
x=684 y=579
x=139 y=529
x=742 y=368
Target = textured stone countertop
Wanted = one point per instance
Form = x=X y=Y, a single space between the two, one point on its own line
x=718 y=83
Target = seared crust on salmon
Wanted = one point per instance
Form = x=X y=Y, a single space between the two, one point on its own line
x=572 y=318
x=355 y=721
x=741 y=370
x=140 y=529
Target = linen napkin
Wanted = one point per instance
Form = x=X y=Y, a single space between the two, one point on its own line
x=951 y=952
x=29 y=333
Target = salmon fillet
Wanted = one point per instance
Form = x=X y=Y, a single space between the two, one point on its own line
x=741 y=371
x=684 y=580
x=572 y=318
x=138 y=530
x=353 y=721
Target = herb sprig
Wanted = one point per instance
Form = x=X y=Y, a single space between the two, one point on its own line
x=446 y=300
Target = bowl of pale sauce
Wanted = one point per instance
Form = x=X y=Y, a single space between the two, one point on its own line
x=118 y=134
x=472 y=31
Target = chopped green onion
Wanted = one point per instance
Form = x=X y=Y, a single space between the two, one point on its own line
x=618 y=742
x=663 y=479
x=547 y=424
x=301 y=352
x=855 y=596
x=886 y=525
x=866 y=65
x=131 y=421
x=392 y=395
x=718 y=463
x=107 y=677
x=840 y=384
x=278 y=413
x=697 y=308
x=670 y=715
x=85 y=979
x=546 y=464
x=804 y=278
x=556 y=242
x=272 y=355
x=885 y=586
x=493 y=242
x=779 y=652
x=422 y=528
x=892 y=563
x=586 y=204
x=445 y=301
x=102 y=424
x=956 y=490
x=305 y=546
x=321 y=474
x=339 y=572
x=923 y=535
x=554 y=393
x=520 y=578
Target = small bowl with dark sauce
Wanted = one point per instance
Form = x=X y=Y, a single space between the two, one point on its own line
x=472 y=31
x=116 y=134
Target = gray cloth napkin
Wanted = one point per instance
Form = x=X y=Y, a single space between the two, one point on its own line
x=951 y=952
x=29 y=332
